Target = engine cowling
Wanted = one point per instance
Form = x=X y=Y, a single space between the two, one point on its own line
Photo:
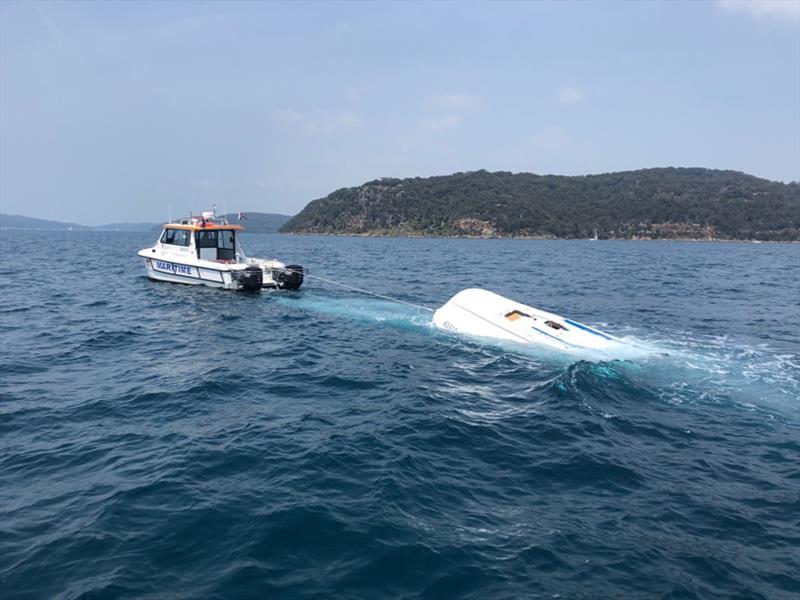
x=249 y=279
x=289 y=277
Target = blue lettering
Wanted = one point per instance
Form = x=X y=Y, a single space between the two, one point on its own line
x=177 y=269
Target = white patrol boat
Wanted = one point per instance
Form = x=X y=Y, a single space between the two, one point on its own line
x=206 y=250
x=483 y=313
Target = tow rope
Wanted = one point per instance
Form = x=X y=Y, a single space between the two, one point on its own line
x=361 y=290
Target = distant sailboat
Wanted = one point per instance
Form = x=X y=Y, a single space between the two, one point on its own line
x=594 y=239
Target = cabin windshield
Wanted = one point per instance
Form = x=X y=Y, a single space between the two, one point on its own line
x=219 y=244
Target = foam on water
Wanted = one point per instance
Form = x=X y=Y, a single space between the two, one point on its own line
x=750 y=375
x=361 y=309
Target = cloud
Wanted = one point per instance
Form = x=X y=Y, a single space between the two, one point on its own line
x=347 y=119
x=452 y=101
x=438 y=123
x=355 y=94
x=287 y=115
x=318 y=122
x=569 y=95
x=445 y=111
x=779 y=10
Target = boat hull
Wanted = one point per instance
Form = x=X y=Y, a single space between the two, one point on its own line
x=482 y=313
x=249 y=277
x=174 y=272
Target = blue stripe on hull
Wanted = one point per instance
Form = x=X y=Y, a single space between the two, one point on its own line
x=589 y=329
x=537 y=330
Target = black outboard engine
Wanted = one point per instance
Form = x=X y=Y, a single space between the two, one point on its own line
x=289 y=278
x=249 y=279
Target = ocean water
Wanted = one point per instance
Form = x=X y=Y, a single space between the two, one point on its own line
x=167 y=441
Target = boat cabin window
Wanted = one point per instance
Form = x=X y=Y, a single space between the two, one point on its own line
x=176 y=237
x=215 y=245
x=226 y=240
x=206 y=239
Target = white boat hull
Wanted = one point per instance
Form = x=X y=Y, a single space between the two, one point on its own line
x=184 y=268
x=163 y=270
x=482 y=313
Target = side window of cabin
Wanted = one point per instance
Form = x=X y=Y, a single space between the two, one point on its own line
x=176 y=237
x=168 y=237
x=225 y=247
x=181 y=237
x=226 y=240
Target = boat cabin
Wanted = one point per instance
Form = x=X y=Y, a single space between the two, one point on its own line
x=209 y=239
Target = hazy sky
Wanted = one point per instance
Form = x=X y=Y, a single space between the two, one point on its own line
x=114 y=111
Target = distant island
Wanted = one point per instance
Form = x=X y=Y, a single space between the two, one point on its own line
x=20 y=222
x=662 y=203
x=254 y=222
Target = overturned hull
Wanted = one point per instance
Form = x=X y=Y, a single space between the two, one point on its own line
x=482 y=313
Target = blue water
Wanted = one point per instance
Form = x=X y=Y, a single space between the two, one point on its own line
x=166 y=441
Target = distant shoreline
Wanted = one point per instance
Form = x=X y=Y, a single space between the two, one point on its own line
x=448 y=237
x=421 y=236
x=538 y=238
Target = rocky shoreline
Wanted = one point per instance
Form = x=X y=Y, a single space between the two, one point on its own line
x=538 y=238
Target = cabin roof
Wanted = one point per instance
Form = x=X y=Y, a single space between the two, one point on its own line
x=206 y=227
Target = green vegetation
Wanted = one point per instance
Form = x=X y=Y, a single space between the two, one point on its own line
x=668 y=203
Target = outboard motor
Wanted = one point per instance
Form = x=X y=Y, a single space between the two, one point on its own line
x=289 y=278
x=249 y=279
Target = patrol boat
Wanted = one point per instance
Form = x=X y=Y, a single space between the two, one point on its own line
x=207 y=250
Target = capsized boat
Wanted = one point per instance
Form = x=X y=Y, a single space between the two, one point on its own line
x=207 y=250
x=483 y=313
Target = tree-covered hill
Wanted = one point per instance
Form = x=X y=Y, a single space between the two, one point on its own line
x=21 y=222
x=664 y=203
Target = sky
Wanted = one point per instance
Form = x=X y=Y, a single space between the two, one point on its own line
x=129 y=111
